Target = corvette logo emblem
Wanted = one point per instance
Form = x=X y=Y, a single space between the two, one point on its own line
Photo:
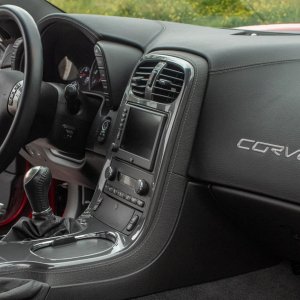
x=262 y=147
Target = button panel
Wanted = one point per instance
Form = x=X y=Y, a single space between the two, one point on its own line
x=103 y=76
x=122 y=123
x=103 y=131
x=132 y=223
x=124 y=196
x=14 y=97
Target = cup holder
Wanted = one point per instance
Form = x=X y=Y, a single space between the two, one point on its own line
x=71 y=247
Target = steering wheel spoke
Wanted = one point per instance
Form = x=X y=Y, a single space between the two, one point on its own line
x=11 y=83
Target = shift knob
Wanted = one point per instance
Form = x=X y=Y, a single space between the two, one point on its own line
x=36 y=185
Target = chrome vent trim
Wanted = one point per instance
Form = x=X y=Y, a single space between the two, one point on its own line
x=141 y=76
x=160 y=80
x=168 y=84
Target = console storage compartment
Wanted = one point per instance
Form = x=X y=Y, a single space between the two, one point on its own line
x=70 y=247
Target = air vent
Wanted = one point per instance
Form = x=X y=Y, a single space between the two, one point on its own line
x=141 y=76
x=168 y=83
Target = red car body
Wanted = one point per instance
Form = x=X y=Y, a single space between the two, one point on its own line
x=293 y=27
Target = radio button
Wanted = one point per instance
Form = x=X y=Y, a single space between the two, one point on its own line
x=140 y=203
x=134 y=219
x=134 y=200
x=132 y=223
x=120 y=194
x=129 y=227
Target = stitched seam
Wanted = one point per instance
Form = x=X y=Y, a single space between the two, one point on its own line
x=246 y=67
x=156 y=35
x=186 y=112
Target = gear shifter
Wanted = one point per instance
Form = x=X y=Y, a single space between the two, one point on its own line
x=36 y=184
x=44 y=223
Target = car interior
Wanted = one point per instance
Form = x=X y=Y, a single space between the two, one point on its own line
x=145 y=158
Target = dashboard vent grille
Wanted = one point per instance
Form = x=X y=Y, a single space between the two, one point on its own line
x=168 y=83
x=140 y=78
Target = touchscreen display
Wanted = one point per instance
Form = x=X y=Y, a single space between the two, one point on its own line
x=142 y=129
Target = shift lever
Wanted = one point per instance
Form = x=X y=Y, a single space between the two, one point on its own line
x=44 y=223
x=36 y=184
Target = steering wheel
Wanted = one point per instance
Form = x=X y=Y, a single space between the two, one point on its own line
x=19 y=93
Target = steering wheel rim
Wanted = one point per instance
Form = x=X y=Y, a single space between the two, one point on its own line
x=21 y=123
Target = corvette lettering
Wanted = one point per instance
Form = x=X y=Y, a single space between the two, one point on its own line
x=262 y=147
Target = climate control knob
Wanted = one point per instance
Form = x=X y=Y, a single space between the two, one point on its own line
x=110 y=173
x=141 y=187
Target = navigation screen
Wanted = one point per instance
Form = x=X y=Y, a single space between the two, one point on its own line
x=142 y=130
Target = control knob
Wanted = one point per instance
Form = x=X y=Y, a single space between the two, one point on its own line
x=141 y=187
x=110 y=173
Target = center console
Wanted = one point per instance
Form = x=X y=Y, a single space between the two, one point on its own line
x=130 y=177
x=127 y=189
x=142 y=132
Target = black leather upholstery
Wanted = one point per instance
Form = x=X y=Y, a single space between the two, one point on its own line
x=41 y=227
x=261 y=104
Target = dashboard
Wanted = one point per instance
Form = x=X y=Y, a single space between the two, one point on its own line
x=74 y=57
x=98 y=55
x=164 y=108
